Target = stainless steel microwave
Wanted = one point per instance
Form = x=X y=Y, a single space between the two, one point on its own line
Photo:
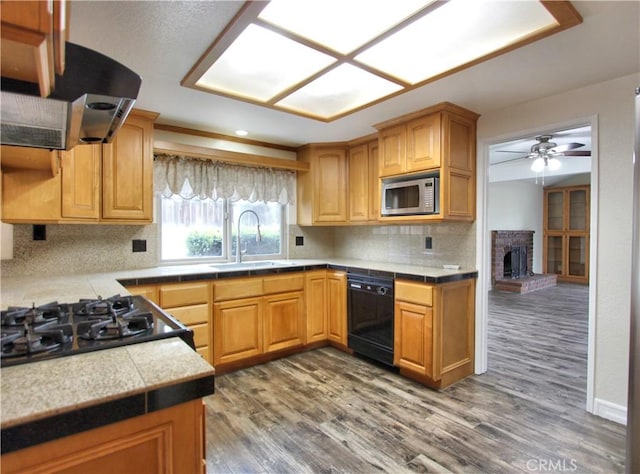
x=410 y=196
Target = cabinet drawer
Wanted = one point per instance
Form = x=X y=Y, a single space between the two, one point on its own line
x=200 y=334
x=205 y=352
x=237 y=288
x=412 y=292
x=183 y=294
x=148 y=291
x=283 y=283
x=192 y=314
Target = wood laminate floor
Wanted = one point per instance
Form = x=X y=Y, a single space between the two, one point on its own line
x=325 y=411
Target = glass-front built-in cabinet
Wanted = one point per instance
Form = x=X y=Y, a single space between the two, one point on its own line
x=566 y=233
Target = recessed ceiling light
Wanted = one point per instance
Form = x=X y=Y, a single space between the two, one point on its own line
x=242 y=133
x=293 y=56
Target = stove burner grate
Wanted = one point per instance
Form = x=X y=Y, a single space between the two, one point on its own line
x=19 y=316
x=115 y=327
x=115 y=305
x=36 y=339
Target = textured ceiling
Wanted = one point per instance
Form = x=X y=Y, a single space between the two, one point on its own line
x=162 y=40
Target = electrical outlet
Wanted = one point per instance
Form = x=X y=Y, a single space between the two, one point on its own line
x=428 y=243
x=139 y=245
x=39 y=232
x=299 y=240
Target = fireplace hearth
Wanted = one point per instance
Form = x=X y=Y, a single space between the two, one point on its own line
x=512 y=263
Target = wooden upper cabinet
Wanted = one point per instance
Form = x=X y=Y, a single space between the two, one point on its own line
x=322 y=191
x=98 y=183
x=33 y=41
x=364 y=188
x=423 y=143
x=440 y=140
x=374 y=182
x=359 y=183
x=393 y=143
x=30 y=196
x=127 y=171
x=81 y=182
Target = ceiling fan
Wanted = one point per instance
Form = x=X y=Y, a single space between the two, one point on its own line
x=545 y=153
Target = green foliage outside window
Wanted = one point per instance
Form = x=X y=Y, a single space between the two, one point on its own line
x=209 y=243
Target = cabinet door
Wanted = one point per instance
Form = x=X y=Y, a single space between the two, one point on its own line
x=359 y=183
x=330 y=185
x=315 y=293
x=578 y=212
x=168 y=440
x=577 y=256
x=30 y=196
x=392 y=145
x=423 y=143
x=554 y=208
x=127 y=172
x=81 y=182
x=283 y=321
x=237 y=330
x=374 y=182
x=337 y=307
x=554 y=255
x=28 y=47
x=413 y=337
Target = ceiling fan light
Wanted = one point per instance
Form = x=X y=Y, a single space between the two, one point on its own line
x=554 y=164
x=538 y=165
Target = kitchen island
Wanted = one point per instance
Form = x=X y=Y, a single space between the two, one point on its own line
x=85 y=410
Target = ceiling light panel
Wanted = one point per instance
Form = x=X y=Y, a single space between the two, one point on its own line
x=342 y=26
x=455 y=34
x=261 y=64
x=339 y=91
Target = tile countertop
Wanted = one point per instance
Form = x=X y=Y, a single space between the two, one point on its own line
x=28 y=290
x=42 y=400
x=133 y=379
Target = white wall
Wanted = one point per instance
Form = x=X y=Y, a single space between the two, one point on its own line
x=517 y=205
x=612 y=102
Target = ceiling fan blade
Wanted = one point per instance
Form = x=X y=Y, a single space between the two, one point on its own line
x=577 y=153
x=510 y=160
x=566 y=146
x=510 y=151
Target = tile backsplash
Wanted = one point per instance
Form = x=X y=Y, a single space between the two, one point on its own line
x=452 y=243
x=72 y=249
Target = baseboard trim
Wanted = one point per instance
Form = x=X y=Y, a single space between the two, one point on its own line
x=610 y=411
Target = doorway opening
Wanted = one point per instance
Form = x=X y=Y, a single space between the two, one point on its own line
x=515 y=196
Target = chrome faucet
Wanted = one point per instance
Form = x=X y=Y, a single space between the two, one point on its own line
x=258 y=236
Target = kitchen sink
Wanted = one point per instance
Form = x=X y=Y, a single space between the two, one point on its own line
x=251 y=265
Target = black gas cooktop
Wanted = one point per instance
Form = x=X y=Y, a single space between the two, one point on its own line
x=30 y=334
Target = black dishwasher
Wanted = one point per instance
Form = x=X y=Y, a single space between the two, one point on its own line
x=370 y=316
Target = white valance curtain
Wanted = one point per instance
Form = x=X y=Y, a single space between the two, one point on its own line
x=216 y=179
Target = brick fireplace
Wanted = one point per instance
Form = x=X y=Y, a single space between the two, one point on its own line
x=512 y=262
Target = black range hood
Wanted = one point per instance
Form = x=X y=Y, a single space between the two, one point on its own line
x=90 y=102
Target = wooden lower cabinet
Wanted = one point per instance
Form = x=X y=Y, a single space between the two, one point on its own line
x=169 y=440
x=148 y=291
x=237 y=330
x=256 y=316
x=190 y=303
x=315 y=293
x=283 y=321
x=434 y=332
x=337 y=307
